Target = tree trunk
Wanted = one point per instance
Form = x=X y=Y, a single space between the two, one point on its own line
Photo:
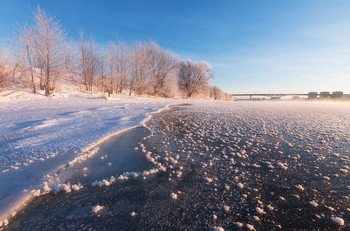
x=41 y=79
x=31 y=69
x=47 y=87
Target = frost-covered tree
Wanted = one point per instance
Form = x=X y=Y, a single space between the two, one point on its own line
x=50 y=47
x=111 y=63
x=4 y=73
x=89 y=61
x=139 y=70
x=25 y=51
x=71 y=62
x=151 y=69
x=122 y=53
x=103 y=74
x=194 y=77
x=162 y=65
x=117 y=63
x=217 y=93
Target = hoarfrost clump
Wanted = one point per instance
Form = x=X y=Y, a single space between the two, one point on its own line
x=217 y=228
x=226 y=208
x=4 y=223
x=62 y=187
x=313 y=203
x=36 y=193
x=250 y=227
x=46 y=188
x=77 y=187
x=240 y=185
x=84 y=156
x=104 y=182
x=282 y=166
x=97 y=208
x=173 y=196
x=256 y=166
x=338 y=221
x=259 y=210
x=238 y=224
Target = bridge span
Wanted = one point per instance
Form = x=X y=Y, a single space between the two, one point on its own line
x=278 y=95
x=311 y=95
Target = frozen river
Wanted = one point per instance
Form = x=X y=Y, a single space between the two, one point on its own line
x=249 y=165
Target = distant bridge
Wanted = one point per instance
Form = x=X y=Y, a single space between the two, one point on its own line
x=278 y=95
x=310 y=95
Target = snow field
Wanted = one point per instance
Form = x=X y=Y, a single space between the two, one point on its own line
x=51 y=132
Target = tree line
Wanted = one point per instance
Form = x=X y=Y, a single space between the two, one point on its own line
x=41 y=57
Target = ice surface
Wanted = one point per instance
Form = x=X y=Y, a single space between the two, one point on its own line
x=250 y=165
x=39 y=135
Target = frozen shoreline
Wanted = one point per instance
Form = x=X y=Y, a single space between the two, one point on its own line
x=39 y=135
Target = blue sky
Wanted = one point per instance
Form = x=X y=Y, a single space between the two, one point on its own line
x=256 y=46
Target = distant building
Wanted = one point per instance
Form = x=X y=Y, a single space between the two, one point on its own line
x=337 y=94
x=312 y=95
x=276 y=97
x=325 y=94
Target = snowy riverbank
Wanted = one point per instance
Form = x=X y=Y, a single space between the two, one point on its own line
x=40 y=134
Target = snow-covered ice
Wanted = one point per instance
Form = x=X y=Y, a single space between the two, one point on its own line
x=39 y=134
x=229 y=165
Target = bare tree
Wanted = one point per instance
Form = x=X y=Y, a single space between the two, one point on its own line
x=139 y=69
x=4 y=73
x=217 y=93
x=111 y=67
x=103 y=77
x=194 y=77
x=50 y=41
x=71 y=62
x=27 y=40
x=150 y=69
x=89 y=61
x=25 y=50
x=161 y=64
x=38 y=55
x=123 y=55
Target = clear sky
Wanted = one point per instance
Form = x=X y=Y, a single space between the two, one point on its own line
x=260 y=46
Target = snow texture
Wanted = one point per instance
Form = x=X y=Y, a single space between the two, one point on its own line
x=39 y=134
